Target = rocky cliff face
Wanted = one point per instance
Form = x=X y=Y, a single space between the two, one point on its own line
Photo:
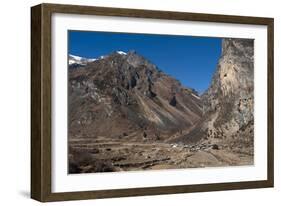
x=123 y=94
x=228 y=104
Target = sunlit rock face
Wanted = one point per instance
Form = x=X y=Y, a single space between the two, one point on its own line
x=230 y=99
x=228 y=103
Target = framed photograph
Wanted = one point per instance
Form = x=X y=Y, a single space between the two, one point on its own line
x=130 y=102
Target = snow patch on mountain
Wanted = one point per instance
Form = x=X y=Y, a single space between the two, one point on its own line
x=121 y=52
x=73 y=59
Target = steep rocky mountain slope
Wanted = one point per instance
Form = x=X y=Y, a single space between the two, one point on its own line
x=228 y=104
x=125 y=114
x=123 y=94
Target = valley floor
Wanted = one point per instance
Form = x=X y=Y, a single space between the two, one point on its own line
x=104 y=155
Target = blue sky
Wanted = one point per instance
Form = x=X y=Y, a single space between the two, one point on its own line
x=191 y=60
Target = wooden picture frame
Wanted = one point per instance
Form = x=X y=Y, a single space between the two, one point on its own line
x=41 y=116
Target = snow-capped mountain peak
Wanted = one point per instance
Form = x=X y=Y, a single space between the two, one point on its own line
x=78 y=61
x=78 y=58
x=73 y=59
